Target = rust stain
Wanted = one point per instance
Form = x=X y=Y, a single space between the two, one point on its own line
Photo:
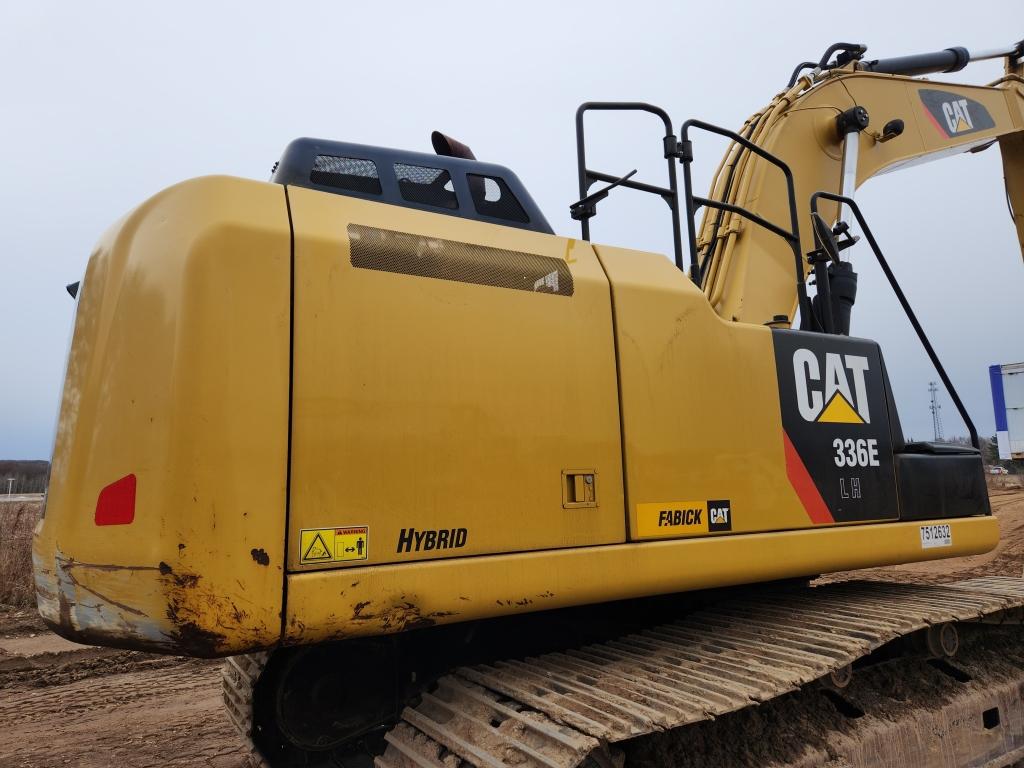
x=260 y=556
x=185 y=580
x=64 y=608
x=399 y=617
x=192 y=612
x=238 y=614
x=520 y=603
x=193 y=639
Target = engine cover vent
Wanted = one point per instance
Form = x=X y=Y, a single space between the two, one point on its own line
x=408 y=254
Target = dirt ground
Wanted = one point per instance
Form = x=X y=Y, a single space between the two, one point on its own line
x=63 y=704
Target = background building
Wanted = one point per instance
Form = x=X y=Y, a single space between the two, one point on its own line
x=1008 y=402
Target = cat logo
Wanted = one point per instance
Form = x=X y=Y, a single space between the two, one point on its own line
x=958 y=116
x=955 y=115
x=719 y=515
x=831 y=398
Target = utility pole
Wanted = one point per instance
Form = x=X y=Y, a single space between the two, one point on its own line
x=933 y=390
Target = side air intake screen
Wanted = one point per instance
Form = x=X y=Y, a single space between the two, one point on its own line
x=346 y=173
x=492 y=197
x=430 y=186
x=408 y=254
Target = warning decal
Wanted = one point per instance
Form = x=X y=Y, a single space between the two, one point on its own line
x=333 y=545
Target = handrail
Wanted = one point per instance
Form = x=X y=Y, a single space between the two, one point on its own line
x=588 y=177
x=791 y=236
x=851 y=203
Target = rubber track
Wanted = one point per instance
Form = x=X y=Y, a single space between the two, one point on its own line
x=238 y=679
x=563 y=709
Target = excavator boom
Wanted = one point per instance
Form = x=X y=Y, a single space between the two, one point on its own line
x=747 y=271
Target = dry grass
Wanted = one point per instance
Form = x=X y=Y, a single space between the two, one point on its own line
x=17 y=519
x=1004 y=482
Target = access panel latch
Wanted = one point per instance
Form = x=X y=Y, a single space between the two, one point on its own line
x=579 y=488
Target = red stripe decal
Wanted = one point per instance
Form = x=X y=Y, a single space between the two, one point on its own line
x=804 y=486
x=936 y=123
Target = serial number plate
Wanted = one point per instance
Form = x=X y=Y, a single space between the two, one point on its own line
x=936 y=536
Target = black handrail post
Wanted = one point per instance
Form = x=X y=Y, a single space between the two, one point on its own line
x=806 y=313
x=686 y=158
x=581 y=167
x=851 y=203
x=673 y=184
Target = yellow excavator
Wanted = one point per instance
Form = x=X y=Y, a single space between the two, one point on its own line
x=449 y=489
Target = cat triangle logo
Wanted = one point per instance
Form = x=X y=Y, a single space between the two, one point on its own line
x=961 y=125
x=839 y=411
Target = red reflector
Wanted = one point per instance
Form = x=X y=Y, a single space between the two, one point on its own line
x=116 y=504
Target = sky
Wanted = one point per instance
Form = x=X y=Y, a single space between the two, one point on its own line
x=106 y=103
